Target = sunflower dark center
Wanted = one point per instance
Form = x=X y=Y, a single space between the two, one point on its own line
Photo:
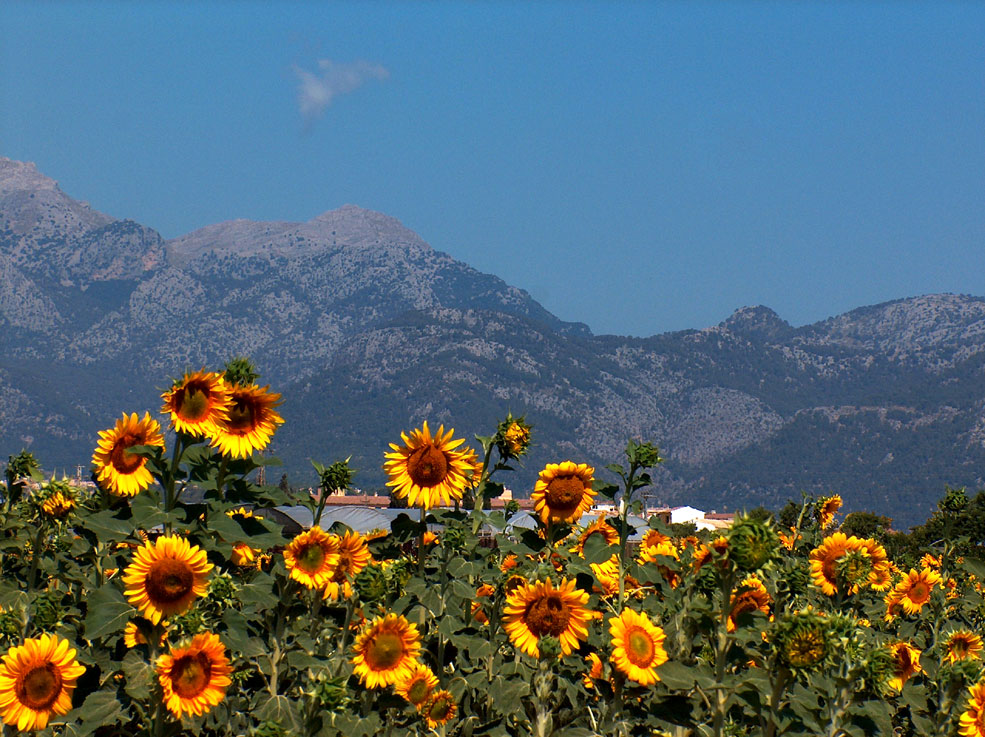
x=385 y=651
x=190 y=675
x=418 y=691
x=169 y=580
x=122 y=459
x=243 y=416
x=427 y=466
x=805 y=650
x=639 y=648
x=311 y=558
x=439 y=709
x=919 y=592
x=343 y=569
x=547 y=615
x=564 y=493
x=959 y=646
x=40 y=686
x=192 y=402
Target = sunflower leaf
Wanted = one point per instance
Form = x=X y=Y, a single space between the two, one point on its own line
x=107 y=612
x=101 y=708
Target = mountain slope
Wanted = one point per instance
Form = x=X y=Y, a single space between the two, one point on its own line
x=367 y=330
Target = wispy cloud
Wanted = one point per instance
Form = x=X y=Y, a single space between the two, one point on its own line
x=317 y=90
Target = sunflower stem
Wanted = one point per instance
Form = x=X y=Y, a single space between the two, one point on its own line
x=350 y=605
x=420 y=542
x=35 y=558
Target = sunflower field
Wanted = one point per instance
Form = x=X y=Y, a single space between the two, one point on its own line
x=171 y=602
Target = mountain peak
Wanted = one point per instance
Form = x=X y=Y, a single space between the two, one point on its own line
x=757 y=321
x=22 y=175
x=354 y=226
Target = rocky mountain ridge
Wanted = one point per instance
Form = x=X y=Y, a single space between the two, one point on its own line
x=368 y=330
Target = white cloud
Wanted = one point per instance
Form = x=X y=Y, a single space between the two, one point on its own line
x=317 y=90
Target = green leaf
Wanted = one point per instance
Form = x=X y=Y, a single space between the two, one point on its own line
x=107 y=612
x=676 y=676
x=101 y=708
x=108 y=526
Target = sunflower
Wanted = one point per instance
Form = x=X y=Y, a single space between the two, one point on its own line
x=824 y=560
x=136 y=631
x=906 y=662
x=483 y=592
x=194 y=677
x=37 y=680
x=417 y=684
x=972 y=722
x=534 y=610
x=250 y=423
x=594 y=672
x=929 y=561
x=244 y=555
x=962 y=645
x=58 y=505
x=165 y=577
x=914 y=590
x=607 y=574
x=354 y=555
x=826 y=510
x=312 y=557
x=637 y=646
x=600 y=527
x=751 y=596
x=429 y=471
x=439 y=709
x=652 y=553
x=385 y=650
x=563 y=491
x=509 y=563
x=117 y=470
x=197 y=403
x=789 y=539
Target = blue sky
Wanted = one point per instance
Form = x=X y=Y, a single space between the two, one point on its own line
x=640 y=167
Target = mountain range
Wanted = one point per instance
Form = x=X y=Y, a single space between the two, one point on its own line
x=367 y=331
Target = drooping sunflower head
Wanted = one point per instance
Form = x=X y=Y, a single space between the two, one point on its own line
x=915 y=589
x=312 y=557
x=609 y=577
x=595 y=671
x=244 y=555
x=385 y=650
x=439 y=709
x=37 y=680
x=906 y=660
x=416 y=684
x=930 y=561
x=803 y=640
x=750 y=596
x=605 y=532
x=752 y=543
x=478 y=612
x=962 y=645
x=117 y=470
x=166 y=576
x=826 y=510
x=563 y=492
x=194 y=677
x=138 y=630
x=427 y=470
x=536 y=610
x=512 y=437
x=354 y=555
x=197 y=403
x=637 y=646
x=56 y=498
x=250 y=423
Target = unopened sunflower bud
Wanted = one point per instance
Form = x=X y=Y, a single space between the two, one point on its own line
x=512 y=437
x=550 y=647
x=752 y=543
